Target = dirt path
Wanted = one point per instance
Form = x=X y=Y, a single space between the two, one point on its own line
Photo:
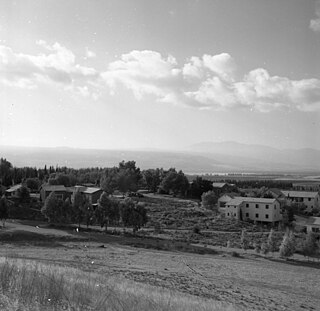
x=34 y=227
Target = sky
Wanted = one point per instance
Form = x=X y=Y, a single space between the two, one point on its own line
x=132 y=74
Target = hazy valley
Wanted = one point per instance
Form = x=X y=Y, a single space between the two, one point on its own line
x=196 y=159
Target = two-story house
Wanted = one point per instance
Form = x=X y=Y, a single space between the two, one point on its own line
x=255 y=209
x=309 y=199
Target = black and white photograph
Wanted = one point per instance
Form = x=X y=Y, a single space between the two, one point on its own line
x=159 y=155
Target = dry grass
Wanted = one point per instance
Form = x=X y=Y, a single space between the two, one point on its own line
x=28 y=285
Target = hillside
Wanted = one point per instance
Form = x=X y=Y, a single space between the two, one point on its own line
x=149 y=278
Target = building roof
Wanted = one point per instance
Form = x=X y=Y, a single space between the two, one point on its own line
x=259 y=200
x=231 y=195
x=54 y=188
x=14 y=188
x=90 y=190
x=299 y=194
x=275 y=191
x=219 y=184
x=314 y=221
x=235 y=202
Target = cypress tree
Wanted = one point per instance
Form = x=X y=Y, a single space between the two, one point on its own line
x=287 y=247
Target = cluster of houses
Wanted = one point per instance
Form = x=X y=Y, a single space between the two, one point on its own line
x=91 y=192
x=268 y=208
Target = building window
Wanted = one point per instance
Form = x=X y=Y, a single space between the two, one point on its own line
x=267 y=206
x=247 y=214
x=228 y=214
x=257 y=215
x=267 y=216
x=247 y=205
x=275 y=207
x=309 y=199
x=257 y=205
x=235 y=207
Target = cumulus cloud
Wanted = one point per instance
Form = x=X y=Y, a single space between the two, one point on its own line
x=315 y=23
x=144 y=72
x=207 y=82
x=57 y=65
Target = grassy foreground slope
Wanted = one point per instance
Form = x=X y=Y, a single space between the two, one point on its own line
x=29 y=285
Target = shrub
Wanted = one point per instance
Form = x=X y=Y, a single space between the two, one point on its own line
x=235 y=254
x=196 y=229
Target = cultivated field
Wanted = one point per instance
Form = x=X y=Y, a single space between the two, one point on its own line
x=219 y=280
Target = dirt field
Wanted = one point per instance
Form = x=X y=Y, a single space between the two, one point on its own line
x=251 y=282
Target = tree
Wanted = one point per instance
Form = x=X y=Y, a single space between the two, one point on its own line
x=209 y=200
x=23 y=194
x=129 y=176
x=4 y=210
x=79 y=204
x=133 y=215
x=310 y=245
x=33 y=183
x=52 y=209
x=244 y=240
x=287 y=247
x=152 y=179
x=272 y=241
x=88 y=213
x=288 y=215
x=175 y=182
x=107 y=210
x=5 y=172
x=109 y=180
x=200 y=186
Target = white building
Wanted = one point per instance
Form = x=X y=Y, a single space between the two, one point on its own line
x=256 y=209
x=310 y=199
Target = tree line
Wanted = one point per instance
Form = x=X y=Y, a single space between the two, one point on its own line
x=124 y=177
x=109 y=211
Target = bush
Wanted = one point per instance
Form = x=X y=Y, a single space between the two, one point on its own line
x=196 y=229
x=235 y=254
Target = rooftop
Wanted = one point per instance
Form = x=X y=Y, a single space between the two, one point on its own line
x=14 y=188
x=90 y=190
x=299 y=194
x=239 y=200
x=313 y=221
x=54 y=188
x=219 y=184
x=235 y=202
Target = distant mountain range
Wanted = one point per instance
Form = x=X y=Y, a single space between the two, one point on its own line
x=206 y=157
